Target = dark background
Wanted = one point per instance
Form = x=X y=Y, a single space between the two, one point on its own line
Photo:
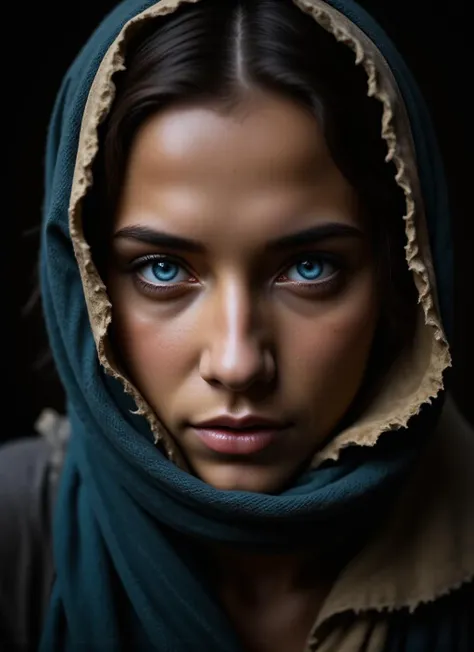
x=45 y=40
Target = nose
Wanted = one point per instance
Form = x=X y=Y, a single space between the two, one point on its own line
x=235 y=355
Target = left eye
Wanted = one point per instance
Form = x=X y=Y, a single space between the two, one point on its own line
x=163 y=271
x=310 y=269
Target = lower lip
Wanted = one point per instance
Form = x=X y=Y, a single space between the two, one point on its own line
x=246 y=443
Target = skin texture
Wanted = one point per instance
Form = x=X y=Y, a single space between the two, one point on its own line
x=239 y=330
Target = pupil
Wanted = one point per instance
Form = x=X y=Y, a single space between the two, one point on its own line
x=310 y=269
x=164 y=271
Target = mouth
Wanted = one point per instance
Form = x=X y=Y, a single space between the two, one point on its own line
x=245 y=436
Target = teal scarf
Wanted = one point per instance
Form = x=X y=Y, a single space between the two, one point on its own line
x=128 y=522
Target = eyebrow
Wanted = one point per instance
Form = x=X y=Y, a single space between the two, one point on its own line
x=316 y=234
x=159 y=238
x=312 y=234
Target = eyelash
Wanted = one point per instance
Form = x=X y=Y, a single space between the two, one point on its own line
x=171 y=288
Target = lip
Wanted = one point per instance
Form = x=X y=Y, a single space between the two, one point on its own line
x=234 y=442
x=249 y=421
x=239 y=436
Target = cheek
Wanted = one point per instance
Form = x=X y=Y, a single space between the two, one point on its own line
x=321 y=356
x=157 y=353
x=325 y=358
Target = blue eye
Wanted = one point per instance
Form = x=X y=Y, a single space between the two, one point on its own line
x=311 y=268
x=163 y=271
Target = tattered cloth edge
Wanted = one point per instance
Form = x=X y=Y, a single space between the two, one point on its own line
x=425 y=551
x=400 y=150
x=423 y=377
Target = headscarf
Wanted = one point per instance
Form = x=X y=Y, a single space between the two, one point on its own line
x=129 y=519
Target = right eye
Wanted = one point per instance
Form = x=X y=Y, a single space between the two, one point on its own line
x=162 y=271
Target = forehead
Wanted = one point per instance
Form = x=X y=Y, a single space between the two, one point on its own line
x=265 y=161
x=264 y=133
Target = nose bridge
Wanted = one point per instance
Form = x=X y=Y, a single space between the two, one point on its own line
x=235 y=321
x=235 y=348
x=235 y=314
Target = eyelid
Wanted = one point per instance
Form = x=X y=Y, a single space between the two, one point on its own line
x=150 y=258
x=332 y=258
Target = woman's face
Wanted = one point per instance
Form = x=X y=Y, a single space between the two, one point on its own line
x=243 y=287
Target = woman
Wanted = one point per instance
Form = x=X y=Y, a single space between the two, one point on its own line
x=246 y=281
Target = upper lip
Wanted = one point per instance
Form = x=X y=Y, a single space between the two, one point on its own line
x=240 y=423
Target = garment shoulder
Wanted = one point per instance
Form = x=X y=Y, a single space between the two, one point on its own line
x=23 y=467
x=24 y=538
x=29 y=475
x=425 y=550
x=441 y=625
x=449 y=621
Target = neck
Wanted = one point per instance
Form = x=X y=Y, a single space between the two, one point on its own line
x=259 y=577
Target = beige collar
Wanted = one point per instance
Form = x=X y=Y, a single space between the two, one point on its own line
x=426 y=550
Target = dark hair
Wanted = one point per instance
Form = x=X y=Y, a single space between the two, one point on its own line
x=215 y=51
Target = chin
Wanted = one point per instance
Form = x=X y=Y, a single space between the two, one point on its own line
x=241 y=476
